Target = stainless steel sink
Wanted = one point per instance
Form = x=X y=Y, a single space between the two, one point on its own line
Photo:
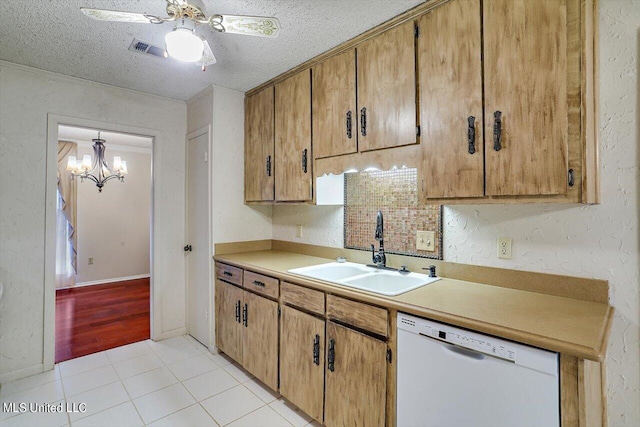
x=370 y=279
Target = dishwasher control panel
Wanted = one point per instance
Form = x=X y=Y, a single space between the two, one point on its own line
x=459 y=337
x=470 y=341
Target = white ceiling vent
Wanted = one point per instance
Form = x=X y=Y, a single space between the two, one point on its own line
x=147 y=48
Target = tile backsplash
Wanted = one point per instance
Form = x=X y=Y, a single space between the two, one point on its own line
x=395 y=193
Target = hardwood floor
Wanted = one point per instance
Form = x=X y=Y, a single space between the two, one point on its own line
x=99 y=317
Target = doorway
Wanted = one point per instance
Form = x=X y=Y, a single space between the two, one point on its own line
x=103 y=234
x=198 y=246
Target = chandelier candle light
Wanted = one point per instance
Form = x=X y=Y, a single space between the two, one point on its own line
x=87 y=168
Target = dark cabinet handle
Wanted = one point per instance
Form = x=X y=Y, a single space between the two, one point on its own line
x=316 y=350
x=349 y=134
x=238 y=311
x=363 y=121
x=497 y=130
x=471 y=134
x=245 y=315
x=268 y=165
x=227 y=273
x=188 y=248
x=258 y=283
x=331 y=356
x=304 y=160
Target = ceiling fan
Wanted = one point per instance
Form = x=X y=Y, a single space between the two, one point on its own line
x=182 y=42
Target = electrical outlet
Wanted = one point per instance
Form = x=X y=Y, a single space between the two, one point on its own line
x=504 y=247
x=299 y=230
x=426 y=241
x=90 y=260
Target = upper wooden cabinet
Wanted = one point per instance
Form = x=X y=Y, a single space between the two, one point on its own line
x=526 y=82
x=450 y=64
x=537 y=73
x=387 y=89
x=335 y=115
x=259 y=147
x=293 y=138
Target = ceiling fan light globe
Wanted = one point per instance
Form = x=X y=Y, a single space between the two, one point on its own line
x=184 y=45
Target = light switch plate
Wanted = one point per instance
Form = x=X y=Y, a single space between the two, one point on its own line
x=426 y=241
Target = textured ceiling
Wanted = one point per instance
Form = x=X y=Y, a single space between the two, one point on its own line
x=54 y=35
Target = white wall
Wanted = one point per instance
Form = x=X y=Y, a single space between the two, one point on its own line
x=27 y=97
x=113 y=226
x=588 y=241
x=233 y=221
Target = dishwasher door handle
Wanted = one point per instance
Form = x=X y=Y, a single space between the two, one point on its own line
x=463 y=351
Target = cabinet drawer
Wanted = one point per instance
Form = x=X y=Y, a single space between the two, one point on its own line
x=229 y=273
x=258 y=283
x=299 y=296
x=357 y=314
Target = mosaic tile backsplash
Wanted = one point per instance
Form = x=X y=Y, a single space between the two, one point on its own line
x=395 y=193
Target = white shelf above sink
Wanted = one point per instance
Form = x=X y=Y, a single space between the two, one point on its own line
x=359 y=276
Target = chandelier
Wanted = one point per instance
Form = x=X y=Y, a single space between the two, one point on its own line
x=97 y=171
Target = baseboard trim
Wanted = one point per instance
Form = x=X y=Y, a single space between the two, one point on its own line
x=103 y=281
x=172 y=333
x=21 y=373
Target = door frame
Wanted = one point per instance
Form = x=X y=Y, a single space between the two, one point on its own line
x=205 y=130
x=53 y=121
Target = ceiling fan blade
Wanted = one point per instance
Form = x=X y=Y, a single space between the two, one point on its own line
x=261 y=26
x=119 y=16
x=207 y=55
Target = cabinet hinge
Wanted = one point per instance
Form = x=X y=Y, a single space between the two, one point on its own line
x=389 y=355
x=279 y=312
x=417 y=31
x=418 y=130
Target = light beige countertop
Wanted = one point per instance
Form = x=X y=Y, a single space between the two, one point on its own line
x=567 y=325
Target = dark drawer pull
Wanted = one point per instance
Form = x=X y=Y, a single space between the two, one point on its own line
x=316 y=350
x=258 y=283
x=245 y=315
x=497 y=130
x=238 y=311
x=331 y=356
x=471 y=134
x=268 y=165
x=349 y=132
x=363 y=121
x=227 y=273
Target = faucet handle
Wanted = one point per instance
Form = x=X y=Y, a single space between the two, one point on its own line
x=404 y=270
x=432 y=270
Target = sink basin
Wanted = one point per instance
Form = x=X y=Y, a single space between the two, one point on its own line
x=333 y=271
x=370 y=279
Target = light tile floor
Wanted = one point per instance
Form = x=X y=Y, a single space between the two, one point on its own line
x=170 y=383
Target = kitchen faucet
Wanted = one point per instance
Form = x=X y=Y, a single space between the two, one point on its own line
x=379 y=259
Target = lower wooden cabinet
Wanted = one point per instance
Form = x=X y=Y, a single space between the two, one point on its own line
x=228 y=321
x=247 y=330
x=302 y=361
x=356 y=378
x=260 y=338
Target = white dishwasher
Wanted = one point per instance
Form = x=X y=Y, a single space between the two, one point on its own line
x=453 y=377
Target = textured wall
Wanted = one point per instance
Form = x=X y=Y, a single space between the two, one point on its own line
x=27 y=96
x=589 y=241
x=113 y=226
x=232 y=220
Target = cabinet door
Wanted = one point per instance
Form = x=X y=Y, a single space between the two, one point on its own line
x=302 y=357
x=260 y=339
x=228 y=328
x=335 y=118
x=259 y=175
x=450 y=67
x=387 y=89
x=356 y=384
x=293 y=138
x=525 y=77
